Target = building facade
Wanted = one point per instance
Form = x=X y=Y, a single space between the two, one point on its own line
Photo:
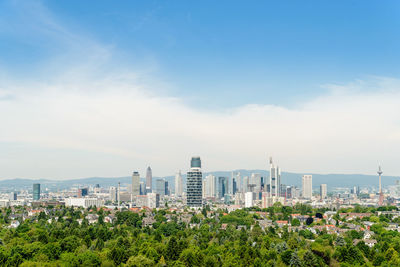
x=307 y=186
x=323 y=191
x=36 y=191
x=194 y=184
x=149 y=180
x=135 y=184
x=178 y=184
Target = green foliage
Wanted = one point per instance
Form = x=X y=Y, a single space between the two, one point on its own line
x=37 y=242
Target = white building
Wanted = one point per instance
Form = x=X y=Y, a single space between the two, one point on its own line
x=256 y=180
x=307 y=186
x=323 y=191
x=113 y=193
x=178 y=184
x=248 y=199
x=210 y=186
x=153 y=200
x=84 y=202
x=135 y=184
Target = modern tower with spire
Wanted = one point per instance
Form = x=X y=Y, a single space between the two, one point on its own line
x=274 y=180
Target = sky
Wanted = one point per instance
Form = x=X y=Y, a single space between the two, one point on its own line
x=109 y=88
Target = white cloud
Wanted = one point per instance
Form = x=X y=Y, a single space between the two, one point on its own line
x=83 y=116
x=346 y=132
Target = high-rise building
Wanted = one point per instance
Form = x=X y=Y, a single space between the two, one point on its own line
x=248 y=199
x=178 y=184
x=194 y=184
x=323 y=191
x=135 y=184
x=113 y=194
x=246 y=183
x=255 y=179
x=160 y=187
x=149 y=180
x=210 y=186
x=36 y=191
x=307 y=186
x=166 y=188
x=153 y=200
x=143 y=189
x=221 y=187
x=274 y=179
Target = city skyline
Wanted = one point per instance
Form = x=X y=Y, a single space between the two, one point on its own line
x=134 y=85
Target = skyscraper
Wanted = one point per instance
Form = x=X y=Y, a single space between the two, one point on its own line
x=307 y=186
x=255 y=179
x=149 y=180
x=210 y=186
x=160 y=187
x=36 y=191
x=178 y=184
x=274 y=179
x=135 y=184
x=323 y=191
x=221 y=187
x=194 y=185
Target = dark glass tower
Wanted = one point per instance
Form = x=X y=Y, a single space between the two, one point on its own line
x=194 y=184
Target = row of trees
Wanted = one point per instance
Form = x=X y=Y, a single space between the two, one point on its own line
x=65 y=242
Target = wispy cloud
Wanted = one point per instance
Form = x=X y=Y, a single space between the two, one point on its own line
x=85 y=115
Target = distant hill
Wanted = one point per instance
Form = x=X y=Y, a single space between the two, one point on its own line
x=332 y=180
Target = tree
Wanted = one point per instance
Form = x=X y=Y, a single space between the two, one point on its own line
x=139 y=261
x=295 y=260
x=172 y=249
x=295 y=222
x=310 y=260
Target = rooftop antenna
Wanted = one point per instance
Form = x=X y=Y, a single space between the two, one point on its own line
x=380 y=186
x=119 y=197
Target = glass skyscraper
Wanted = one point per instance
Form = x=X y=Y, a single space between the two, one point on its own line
x=36 y=191
x=194 y=184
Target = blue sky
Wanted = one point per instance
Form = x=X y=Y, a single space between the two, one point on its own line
x=224 y=53
x=112 y=87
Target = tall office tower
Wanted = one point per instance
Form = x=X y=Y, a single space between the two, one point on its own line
x=255 y=179
x=149 y=180
x=178 y=184
x=307 y=186
x=194 y=190
x=246 y=183
x=36 y=191
x=135 y=184
x=166 y=188
x=274 y=179
x=160 y=187
x=209 y=186
x=113 y=193
x=142 y=186
x=234 y=185
x=239 y=182
x=221 y=187
x=323 y=191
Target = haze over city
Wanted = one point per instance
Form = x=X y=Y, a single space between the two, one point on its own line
x=98 y=90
